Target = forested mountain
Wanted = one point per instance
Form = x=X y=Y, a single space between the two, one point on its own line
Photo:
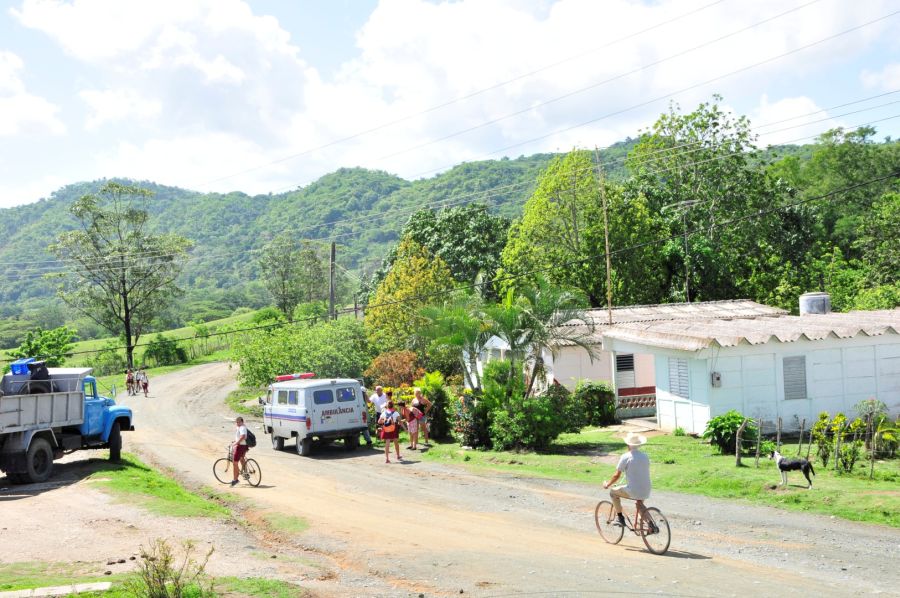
x=362 y=210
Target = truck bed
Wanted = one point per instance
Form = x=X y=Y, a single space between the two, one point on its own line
x=20 y=413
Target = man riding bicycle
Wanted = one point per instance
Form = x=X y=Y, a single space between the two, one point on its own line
x=636 y=467
x=239 y=448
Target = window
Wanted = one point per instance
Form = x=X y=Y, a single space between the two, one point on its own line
x=292 y=397
x=269 y=397
x=794 y=377
x=678 y=378
x=345 y=395
x=282 y=397
x=323 y=397
x=625 y=371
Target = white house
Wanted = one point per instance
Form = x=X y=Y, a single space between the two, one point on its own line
x=793 y=367
x=635 y=375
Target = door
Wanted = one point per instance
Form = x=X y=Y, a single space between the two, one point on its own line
x=324 y=416
x=348 y=406
x=93 y=409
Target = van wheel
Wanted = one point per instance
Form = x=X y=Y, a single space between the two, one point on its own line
x=277 y=442
x=304 y=446
x=38 y=461
x=352 y=442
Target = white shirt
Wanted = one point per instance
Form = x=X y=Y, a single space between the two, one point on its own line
x=636 y=467
x=241 y=431
x=379 y=402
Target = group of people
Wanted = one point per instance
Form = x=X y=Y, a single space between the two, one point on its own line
x=136 y=382
x=391 y=418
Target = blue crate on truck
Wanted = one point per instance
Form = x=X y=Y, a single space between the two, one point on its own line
x=20 y=366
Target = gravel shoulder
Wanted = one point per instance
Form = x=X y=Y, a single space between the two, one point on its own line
x=486 y=535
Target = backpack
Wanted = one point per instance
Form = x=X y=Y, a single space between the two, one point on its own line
x=251 y=438
x=390 y=423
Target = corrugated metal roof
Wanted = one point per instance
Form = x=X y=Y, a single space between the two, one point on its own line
x=699 y=311
x=694 y=335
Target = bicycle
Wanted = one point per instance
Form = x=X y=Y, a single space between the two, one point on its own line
x=250 y=471
x=649 y=523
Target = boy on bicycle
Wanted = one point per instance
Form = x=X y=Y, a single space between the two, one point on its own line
x=636 y=467
x=239 y=448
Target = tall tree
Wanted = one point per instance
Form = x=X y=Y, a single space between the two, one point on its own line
x=293 y=272
x=416 y=279
x=118 y=273
x=460 y=323
x=561 y=235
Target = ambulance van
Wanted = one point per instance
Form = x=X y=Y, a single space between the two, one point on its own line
x=300 y=408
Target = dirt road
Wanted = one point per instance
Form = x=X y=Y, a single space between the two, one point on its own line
x=420 y=527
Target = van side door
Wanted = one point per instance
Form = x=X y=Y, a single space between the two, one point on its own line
x=350 y=409
x=323 y=410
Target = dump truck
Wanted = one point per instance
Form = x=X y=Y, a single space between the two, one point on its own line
x=46 y=413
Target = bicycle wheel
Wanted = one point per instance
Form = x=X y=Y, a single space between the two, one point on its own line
x=222 y=470
x=252 y=473
x=655 y=531
x=605 y=517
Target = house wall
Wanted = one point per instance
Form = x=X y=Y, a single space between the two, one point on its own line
x=839 y=374
x=572 y=364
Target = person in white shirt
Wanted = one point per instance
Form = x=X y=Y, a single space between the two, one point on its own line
x=239 y=448
x=636 y=467
x=379 y=401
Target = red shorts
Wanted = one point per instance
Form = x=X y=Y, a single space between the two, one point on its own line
x=239 y=451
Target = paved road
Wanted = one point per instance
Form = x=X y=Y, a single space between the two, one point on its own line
x=421 y=527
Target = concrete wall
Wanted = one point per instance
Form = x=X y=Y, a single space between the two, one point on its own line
x=572 y=364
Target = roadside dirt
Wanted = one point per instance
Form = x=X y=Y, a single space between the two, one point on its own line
x=420 y=527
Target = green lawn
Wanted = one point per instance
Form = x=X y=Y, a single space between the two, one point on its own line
x=685 y=464
x=27 y=575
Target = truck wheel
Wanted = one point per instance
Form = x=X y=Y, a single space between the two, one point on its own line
x=352 y=442
x=115 y=443
x=304 y=446
x=277 y=442
x=38 y=461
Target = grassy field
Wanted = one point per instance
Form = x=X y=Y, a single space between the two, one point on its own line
x=685 y=464
x=27 y=575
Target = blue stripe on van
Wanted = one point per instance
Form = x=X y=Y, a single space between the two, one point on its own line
x=297 y=418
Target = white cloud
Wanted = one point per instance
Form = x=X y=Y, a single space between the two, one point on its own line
x=20 y=111
x=115 y=105
x=790 y=120
x=887 y=78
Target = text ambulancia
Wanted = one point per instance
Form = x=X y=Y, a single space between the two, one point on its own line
x=301 y=408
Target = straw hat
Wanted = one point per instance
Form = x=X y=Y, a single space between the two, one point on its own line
x=632 y=439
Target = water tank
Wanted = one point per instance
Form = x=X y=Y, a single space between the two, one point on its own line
x=815 y=303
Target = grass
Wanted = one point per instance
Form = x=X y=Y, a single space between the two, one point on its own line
x=27 y=575
x=286 y=524
x=236 y=400
x=255 y=586
x=136 y=483
x=685 y=464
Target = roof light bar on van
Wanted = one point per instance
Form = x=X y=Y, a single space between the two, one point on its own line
x=303 y=376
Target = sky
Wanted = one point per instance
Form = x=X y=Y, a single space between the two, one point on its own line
x=265 y=96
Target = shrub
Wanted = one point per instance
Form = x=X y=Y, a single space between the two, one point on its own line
x=823 y=438
x=679 y=431
x=164 y=351
x=432 y=385
x=160 y=574
x=594 y=403
x=526 y=423
x=471 y=421
x=394 y=368
x=721 y=431
x=267 y=315
x=110 y=359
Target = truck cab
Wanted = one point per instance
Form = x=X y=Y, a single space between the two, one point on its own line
x=305 y=409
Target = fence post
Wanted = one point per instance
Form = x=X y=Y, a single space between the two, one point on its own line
x=778 y=436
x=758 y=440
x=800 y=447
x=737 y=442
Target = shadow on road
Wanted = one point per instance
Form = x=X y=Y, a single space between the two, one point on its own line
x=676 y=554
x=64 y=474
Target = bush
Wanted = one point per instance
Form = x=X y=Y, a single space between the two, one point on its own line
x=164 y=351
x=433 y=388
x=526 y=423
x=679 y=431
x=110 y=359
x=394 y=368
x=160 y=574
x=721 y=431
x=471 y=421
x=267 y=315
x=594 y=404
x=823 y=438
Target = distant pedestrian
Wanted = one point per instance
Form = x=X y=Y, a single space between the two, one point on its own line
x=421 y=402
x=390 y=430
x=143 y=381
x=129 y=382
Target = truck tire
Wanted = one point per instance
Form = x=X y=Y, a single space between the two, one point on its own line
x=304 y=446
x=39 y=461
x=115 y=442
x=277 y=442
x=352 y=442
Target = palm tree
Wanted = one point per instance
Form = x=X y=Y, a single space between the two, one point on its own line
x=461 y=323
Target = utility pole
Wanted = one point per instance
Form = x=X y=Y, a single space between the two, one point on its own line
x=331 y=312
x=605 y=236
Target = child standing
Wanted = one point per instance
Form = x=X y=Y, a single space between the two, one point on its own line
x=411 y=415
